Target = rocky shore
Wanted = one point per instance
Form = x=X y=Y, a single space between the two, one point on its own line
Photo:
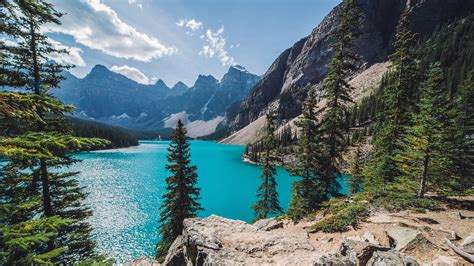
x=403 y=238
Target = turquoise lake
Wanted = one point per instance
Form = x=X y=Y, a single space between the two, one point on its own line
x=124 y=189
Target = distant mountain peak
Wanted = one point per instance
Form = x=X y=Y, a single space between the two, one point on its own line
x=239 y=68
x=179 y=85
x=205 y=79
x=99 y=68
x=160 y=83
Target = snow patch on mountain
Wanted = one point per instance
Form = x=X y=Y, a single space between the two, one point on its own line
x=201 y=128
x=122 y=116
x=197 y=128
x=171 y=120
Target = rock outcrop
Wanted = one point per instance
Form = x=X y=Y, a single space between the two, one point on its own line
x=219 y=241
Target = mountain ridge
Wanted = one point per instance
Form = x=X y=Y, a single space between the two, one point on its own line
x=112 y=98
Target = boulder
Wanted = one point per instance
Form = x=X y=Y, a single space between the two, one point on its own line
x=405 y=238
x=358 y=251
x=468 y=244
x=369 y=237
x=268 y=224
x=444 y=260
x=389 y=258
x=219 y=241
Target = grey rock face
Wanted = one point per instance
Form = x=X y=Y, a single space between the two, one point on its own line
x=305 y=64
x=390 y=258
x=219 y=241
x=468 y=244
x=405 y=238
x=268 y=224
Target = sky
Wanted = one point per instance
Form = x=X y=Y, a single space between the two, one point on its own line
x=177 y=40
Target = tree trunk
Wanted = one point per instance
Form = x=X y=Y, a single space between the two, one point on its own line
x=48 y=210
x=424 y=177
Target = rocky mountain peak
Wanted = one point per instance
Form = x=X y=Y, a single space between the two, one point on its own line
x=205 y=80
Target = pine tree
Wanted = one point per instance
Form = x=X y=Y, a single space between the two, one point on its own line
x=460 y=136
x=355 y=171
x=52 y=226
x=181 y=200
x=398 y=97
x=425 y=158
x=337 y=92
x=267 y=195
x=307 y=192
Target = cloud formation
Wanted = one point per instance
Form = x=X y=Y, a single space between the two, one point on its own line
x=216 y=47
x=97 y=26
x=192 y=24
x=134 y=74
x=74 y=56
x=134 y=2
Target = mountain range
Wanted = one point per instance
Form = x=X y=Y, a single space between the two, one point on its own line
x=111 y=98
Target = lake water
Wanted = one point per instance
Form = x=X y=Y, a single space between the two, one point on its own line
x=125 y=188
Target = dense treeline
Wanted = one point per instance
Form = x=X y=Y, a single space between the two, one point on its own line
x=451 y=45
x=282 y=141
x=118 y=137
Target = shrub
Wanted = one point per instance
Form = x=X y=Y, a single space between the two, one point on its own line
x=395 y=202
x=344 y=215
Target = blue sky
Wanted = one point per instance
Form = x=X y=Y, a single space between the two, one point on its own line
x=176 y=40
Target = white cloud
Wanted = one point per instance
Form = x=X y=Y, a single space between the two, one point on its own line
x=216 y=47
x=73 y=57
x=134 y=74
x=97 y=26
x=192 y=24
x=134 y=2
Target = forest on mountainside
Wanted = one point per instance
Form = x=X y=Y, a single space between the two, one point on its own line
x=118 y=137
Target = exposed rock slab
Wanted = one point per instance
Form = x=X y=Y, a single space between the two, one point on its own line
x=468 y=244
x=406 y=238
x=219 y=241
x=268 y=224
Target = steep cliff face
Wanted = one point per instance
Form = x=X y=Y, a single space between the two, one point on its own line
x=285 y=84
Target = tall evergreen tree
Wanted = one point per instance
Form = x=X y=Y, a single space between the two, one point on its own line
x=355 y=171
x=267 y=195
x=337 y=91
x=460 y=136
x=307 y=192
x=398 y=97
x=181 y=200
x=61 y=233
x=425 y=157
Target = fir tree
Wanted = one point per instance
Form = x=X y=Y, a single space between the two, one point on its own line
x=267 y=196
x=460 y=136
x=355 y=171
x=181 y=200
x=398 y=98
x=307 y=192
x=53 y=226
x=337 y=92
x=425 y=158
